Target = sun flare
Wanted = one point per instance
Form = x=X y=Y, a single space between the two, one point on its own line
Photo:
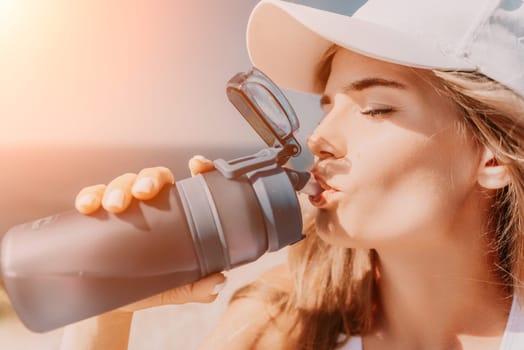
x=10 y=15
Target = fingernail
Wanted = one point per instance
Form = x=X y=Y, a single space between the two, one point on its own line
x=143 y=185
x=115 y=198
x=202 y=159
x=86 y=200
x=218 y=288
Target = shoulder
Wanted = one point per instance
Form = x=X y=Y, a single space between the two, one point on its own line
x=248 y=322
x=279 y=276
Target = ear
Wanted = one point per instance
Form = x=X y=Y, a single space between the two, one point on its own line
x=491 y=174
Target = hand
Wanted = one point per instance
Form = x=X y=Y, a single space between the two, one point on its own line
x=118 y=194
x=111 y=330
x=116 y=197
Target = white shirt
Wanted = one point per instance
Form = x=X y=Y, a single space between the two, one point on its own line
x=513 y=338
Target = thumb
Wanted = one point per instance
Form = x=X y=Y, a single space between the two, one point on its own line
x=199 y=164
x=204 y=290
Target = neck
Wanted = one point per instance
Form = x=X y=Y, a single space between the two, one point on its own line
x=439 y=297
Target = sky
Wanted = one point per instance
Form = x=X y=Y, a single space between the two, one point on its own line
x=117 y=72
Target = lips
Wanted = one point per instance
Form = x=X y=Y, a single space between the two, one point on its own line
x=320 y=199
x=323 y=184
x=323 y=170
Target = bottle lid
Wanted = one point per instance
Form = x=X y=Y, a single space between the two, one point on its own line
x=267 y=110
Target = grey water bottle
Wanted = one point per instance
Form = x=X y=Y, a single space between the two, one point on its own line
x=68 y=267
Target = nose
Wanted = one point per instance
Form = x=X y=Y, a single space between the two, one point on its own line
x=327 y=140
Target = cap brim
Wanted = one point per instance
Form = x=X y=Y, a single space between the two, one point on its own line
x=287 y=40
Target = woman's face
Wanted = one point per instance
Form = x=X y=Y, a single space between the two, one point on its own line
x=396 y=166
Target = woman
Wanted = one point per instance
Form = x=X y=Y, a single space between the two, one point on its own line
x=417 y=239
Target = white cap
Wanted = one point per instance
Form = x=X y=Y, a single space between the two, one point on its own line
x=287 y=40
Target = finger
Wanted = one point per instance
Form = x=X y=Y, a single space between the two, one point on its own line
x=117 y=196
x=150 y=181
x=198 y=164
x=88 y=200
x=202 y=291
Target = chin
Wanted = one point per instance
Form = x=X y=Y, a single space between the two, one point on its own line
x=328 y=228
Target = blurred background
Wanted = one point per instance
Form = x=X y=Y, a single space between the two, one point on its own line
x=91 y=89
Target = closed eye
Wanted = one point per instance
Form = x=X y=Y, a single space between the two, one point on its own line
x=376 y=111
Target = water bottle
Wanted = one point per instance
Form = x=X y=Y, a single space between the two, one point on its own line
x=67 y=267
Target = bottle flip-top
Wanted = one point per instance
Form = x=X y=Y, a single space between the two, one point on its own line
x=68 y=267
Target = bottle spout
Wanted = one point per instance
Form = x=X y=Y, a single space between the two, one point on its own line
x=304 y=182
x=312 y=188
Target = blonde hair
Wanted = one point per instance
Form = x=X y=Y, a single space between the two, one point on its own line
x=345 y=303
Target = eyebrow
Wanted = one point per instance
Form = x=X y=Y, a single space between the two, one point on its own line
x=363 y=84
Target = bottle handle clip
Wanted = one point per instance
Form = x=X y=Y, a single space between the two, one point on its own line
x=243 y=165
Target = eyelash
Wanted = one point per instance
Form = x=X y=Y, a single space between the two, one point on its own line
x=373 y=113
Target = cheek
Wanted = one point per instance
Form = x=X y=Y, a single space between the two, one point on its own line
x=387 y=214
x=398 y=192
